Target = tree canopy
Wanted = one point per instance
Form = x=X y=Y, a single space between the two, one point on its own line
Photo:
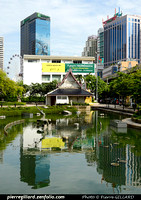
x=127 y=84
x=9 y=88
x=91 y=84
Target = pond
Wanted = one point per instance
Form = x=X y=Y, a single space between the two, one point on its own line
x=79 y=155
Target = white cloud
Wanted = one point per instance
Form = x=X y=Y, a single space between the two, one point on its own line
x=72 y=21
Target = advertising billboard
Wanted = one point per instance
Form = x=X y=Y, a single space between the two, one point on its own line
x=42 y=43
x=80 y=68
x=53 y=67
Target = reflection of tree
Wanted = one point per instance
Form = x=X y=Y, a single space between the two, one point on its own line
x=107 y=155
x=91 y=157
x=12 y=133
x=101 y=145
x=132 y=138
x=111 y=145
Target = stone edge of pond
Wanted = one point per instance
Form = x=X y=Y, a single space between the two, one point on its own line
x=12 y=124
x=132 y=124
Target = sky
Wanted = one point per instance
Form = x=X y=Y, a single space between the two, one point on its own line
x=72 y=21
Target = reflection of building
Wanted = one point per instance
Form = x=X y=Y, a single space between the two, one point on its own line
x=133 y=172
x=122 y=39
x=49 y=68
x=35 y=170
x=1 y=53
x=35 y=167
x=35 y=35
x=68 y=91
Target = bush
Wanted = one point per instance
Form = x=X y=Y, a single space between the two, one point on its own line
x=11 y=99
x=33 y=99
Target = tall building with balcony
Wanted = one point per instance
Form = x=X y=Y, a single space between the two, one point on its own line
x=35 y=35
x=122 y=39
x=1 y=53
x=91 y=47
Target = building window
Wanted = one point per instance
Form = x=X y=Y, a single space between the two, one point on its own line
x=77 y=61
x=45 y=77
x=56 y=61
x=62 y=97
x=32 y=60
x=56 y=77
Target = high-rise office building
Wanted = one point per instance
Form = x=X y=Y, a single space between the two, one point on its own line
x=100 y=45
x=122 y=39
x=91 y=47
x=35 y=35
x=100 y=51
x=1 y=53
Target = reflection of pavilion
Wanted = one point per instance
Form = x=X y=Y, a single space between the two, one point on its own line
x=35 y=160
x=100 y=149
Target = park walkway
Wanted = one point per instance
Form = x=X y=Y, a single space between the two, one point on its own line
x=114 y=108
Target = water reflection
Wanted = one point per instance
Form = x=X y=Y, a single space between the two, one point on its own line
x=90 y=135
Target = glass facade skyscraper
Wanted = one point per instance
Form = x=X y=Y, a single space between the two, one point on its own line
x=35 y=35
x=122 y=39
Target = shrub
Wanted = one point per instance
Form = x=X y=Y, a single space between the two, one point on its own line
x=33 y=99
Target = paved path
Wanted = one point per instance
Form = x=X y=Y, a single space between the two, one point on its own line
x=112 y=106
x=130 y=123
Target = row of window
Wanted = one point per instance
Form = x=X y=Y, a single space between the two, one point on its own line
x=115 y=43
x=121 y=22
x=47 y=78
x=58 y=61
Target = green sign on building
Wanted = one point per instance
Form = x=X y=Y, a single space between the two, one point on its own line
x=80 y=68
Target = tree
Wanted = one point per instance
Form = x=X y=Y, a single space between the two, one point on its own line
x=127 y=84
x=47 y=87
x=9 y=88
x=39 y=90
x=136 y=85
x=121 y=85
x=91 y=84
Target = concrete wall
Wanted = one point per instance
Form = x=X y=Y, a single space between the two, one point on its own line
x=32 y=73
x=48 y=100
x=77 y=99
x=72 y=98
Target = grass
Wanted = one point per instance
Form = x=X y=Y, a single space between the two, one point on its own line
x=4 y=103
x=18 y=111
